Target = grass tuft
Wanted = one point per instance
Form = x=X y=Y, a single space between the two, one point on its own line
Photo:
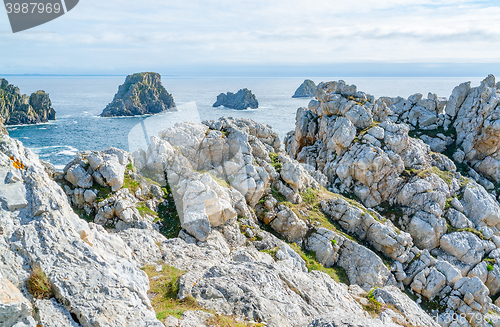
x=38 y=284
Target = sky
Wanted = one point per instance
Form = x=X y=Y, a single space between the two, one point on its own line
x=261 y=37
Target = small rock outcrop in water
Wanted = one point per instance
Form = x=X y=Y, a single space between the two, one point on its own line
x=243 y=99
x=305 y=90
x=141 y=94
x=18 y=109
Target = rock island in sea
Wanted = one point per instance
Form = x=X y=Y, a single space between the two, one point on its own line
x=305 y=90
x=141 y=94
x=243 y=99
x=19 y=109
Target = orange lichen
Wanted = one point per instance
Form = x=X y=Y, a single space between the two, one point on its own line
x=16 y=163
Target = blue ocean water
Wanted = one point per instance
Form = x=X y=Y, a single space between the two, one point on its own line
x=78 y=100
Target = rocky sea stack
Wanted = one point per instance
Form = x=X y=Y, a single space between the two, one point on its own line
x=141 y=94
x=305 y=90
x=18 y=109
x=243 y=99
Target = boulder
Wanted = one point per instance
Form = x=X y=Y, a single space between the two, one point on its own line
x=465 y=246
x=363 y=266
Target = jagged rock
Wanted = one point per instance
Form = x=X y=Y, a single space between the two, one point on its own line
x=324 y=244
x=14 y=307
x=12 y=190
x=243 y=99
x=480 y=271
x=451 y=272
x=458 y=219
x=411 y=312
x=222 y=287
x=335 y=318
x=480 y=207
x=50 y=313
x=205 y=204
x=17 y=108
x=363 y=266
x=95 y=272
x=367 y=226
x=465 y=246
x=493 y=280
x=289 y=225
x=429 y=282
x=141 y=94
x=480 y=301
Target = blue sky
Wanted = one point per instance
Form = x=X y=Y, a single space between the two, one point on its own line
x=385 y=37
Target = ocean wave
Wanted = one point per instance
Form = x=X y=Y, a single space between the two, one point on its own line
x=10 y=127
x=50 y=150
x=67 y=153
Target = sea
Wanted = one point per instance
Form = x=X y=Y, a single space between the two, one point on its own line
x=78 y=101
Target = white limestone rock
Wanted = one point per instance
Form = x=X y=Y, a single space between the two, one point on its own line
x=14 y=307
x=50 y=313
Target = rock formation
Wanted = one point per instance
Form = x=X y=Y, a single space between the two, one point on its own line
x=358 y=223
x=243 y=99
x=17 y=108
x=141 y=94
x=306 y=90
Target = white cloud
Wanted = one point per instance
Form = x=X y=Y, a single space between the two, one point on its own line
x=98 y=34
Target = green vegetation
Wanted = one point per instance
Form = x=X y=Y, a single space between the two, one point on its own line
x=473 y=231
x=334 y=242
x=489 y=267
x=145 y=210
x=277 y=195
x=164 y=287
x=309 y=196
x=373 y=305
x=83 y=215
x=491 y=261
x=130 y=183
x=271 y=252
x=444 y=175
x=131 y=167
x=337 y=273
x=102 y=192
x=39 y=285
x=416 y=133
x=275 y=161
x=220 y=181
x=168 y=215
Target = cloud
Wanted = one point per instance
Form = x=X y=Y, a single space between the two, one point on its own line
x=117 y=34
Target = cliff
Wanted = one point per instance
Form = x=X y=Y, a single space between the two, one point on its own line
x=141 y=94
x=17 y=108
